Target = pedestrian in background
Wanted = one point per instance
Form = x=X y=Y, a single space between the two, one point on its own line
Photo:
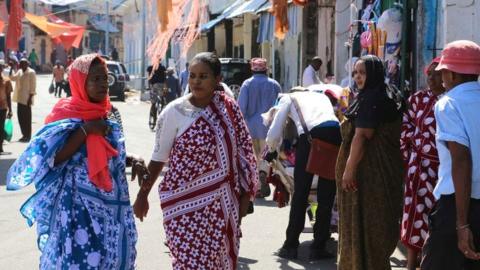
x=310 y=74
x=25 y=88
x=156 y=78
x=370 y=172
x=211 y=175
x=184 y=78
x=314 y=118
x=114 y=54
x=5 y=104
x=53 y=56
x=58 y=77
x=69 y=61
x=420 y=157
x=77 y=162
x=454 y=239
x=33 y=58
x=173 y=85
x=257 y=95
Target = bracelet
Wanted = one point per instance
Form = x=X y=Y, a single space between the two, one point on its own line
x=463 y=227
x=84 y=131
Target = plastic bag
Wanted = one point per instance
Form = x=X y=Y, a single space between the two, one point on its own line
x=8 y=129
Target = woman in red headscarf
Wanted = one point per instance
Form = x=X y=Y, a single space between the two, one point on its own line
x=77 y=162
x=421 y=161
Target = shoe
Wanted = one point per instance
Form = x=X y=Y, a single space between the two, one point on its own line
x=288 y=253
x=24 y=140
x=320 y=254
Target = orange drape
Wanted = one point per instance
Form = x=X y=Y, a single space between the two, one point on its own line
x=14 y=31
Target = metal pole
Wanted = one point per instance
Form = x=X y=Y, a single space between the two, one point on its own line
x=142 y=71
x=107 y=28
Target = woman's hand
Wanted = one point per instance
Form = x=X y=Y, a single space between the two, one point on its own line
x=349 y=181
x=98 y=127
x=139 y=168
x=141 y=206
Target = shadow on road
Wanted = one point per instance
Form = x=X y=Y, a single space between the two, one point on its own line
x=304 y=262
x=4 y=166
x=244 y=263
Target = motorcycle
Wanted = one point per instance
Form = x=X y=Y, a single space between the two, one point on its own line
x=158 y=101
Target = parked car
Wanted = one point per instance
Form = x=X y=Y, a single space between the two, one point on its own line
x=235 y=71
x=117 y=78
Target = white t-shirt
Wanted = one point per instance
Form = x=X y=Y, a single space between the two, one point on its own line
x=310 y=77
x=173 y=121
x=316 y=109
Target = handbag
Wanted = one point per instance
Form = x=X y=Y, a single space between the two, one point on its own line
x=8 y=128
x=323 y=155
x=51 y=88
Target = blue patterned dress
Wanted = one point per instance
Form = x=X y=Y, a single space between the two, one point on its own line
x=79 y=226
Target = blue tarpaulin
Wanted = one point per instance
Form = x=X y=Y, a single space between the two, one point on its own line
x=210 y=24
x=247 y=7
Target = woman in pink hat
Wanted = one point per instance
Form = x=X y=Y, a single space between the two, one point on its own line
x=454 y=232
x=420 y=155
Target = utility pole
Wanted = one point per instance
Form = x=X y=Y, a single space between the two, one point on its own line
x=142 y=60
x=107 y=28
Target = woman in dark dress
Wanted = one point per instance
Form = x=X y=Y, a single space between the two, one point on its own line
x=369 y=172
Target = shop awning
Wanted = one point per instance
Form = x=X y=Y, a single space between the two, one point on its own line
x=247 y=7
x=52 y=29
x=100 y=23
x=210 y=24
x=68 y=34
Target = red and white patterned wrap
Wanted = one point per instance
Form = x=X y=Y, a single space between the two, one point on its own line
x=421 y=161
x=209 y=164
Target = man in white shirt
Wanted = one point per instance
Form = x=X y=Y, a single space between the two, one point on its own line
x=25 y=88
x=454 y=239
x=310 y=74
x=320 y=122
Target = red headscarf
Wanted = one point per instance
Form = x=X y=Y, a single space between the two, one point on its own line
x=79 y=106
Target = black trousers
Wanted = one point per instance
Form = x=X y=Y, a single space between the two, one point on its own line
x=3 y=116
x=441 y=250
x=326 y=190
x=58 y=89
x=24 y=114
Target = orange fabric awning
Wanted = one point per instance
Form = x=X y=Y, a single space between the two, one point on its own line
x=52 y=29
x=68 y=34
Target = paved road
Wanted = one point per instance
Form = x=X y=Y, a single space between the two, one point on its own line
x=263 y=232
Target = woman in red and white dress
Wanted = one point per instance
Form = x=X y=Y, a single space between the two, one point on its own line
x=421 y=161
x=212 y=173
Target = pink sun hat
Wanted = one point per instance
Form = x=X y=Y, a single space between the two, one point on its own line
x=461 y=56
x=258 y=64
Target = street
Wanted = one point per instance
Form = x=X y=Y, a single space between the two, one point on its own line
x=263 y=231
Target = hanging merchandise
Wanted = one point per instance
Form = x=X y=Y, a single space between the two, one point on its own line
x=280 y=11
x=180 y=18
x=14 y=31
x=390 y=24
x=300 y=2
